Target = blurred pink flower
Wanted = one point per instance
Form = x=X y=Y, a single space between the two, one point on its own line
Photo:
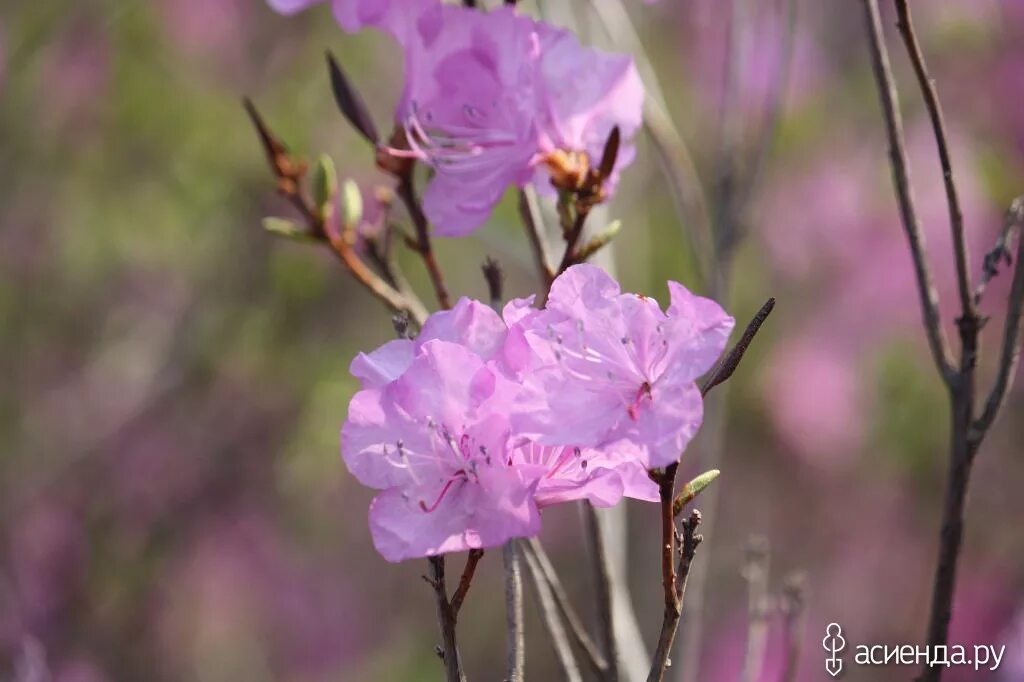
x=814 y=394
x=600 y=366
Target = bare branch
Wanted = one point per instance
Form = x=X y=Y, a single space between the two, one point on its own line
x=792 y=606
x=495 y=278
x=446 y=619
x=603 y=588
x=1009 y=355
x=475 y=555
x=956 y=217
x=674 y=603
x=552 y=619
x=1000 y=253
x=533 y=222
x=407 y=192
x=576 y=628
x=755 y=572
x=514 y=634
x=885 y=82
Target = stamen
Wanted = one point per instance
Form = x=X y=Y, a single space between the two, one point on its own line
x=461 y=475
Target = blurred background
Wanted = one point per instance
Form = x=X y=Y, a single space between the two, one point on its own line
x=172 y=378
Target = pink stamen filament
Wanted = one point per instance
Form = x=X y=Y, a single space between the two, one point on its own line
x=444 y=491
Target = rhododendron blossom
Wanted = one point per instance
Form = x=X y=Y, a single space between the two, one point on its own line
x=600 y=366
x=496 y=99
x=443 y=423
x=493 y=98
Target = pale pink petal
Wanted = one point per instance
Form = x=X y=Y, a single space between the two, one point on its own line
x=383 y=365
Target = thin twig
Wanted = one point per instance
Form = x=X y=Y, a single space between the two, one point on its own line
x=794 y=600
x=578 y=631
x=1009 y=355
x=885 y=82
x=674 y=601
x=289 y=173
x=905 y=24
x=533 y=222
x=1000 y=253
x=514 y=633
x=551 y=616
x=755 y=572
x=603 y=588
x=475 y=555
x=495 y=278
x=407 y=192
x=571 y=239
x=446 y=620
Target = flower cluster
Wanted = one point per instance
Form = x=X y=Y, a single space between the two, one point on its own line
x=484 y=419
x=496 y=99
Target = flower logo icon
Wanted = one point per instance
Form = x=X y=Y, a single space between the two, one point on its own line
x=833 y=644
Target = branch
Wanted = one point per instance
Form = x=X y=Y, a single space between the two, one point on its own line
x=290 y=173
x=756 y=574
x=728 y=364
x=572 y=619
x=1000 y=253
x=674 y=600
x=603 y=585
x=495 y=278
x=901 y=181
x=956 y=217
x=514 y=634
x=1009 y=356
x=533 y=222
x=423 y=246
x=467 y=578
x=549 y=612
x=794 y=600
x=446 y=619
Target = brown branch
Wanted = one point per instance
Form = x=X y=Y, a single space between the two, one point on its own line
x=680 y=571
x=731 y=360
x=572 y=237
x=533 y=223
x=290 y=173
x=446 y=619
x=956 y=218
x=466 y=580
x=885 y=82
x=1009 y=355
x=575 y=624
x=423 y=245
x=495 y=278
x=1000 y=253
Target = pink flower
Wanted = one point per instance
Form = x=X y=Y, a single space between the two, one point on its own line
x=601 y=476
x=435 y=441
x=354 y=15
x=430 y=429
x=599 y=366
x=490 y=96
